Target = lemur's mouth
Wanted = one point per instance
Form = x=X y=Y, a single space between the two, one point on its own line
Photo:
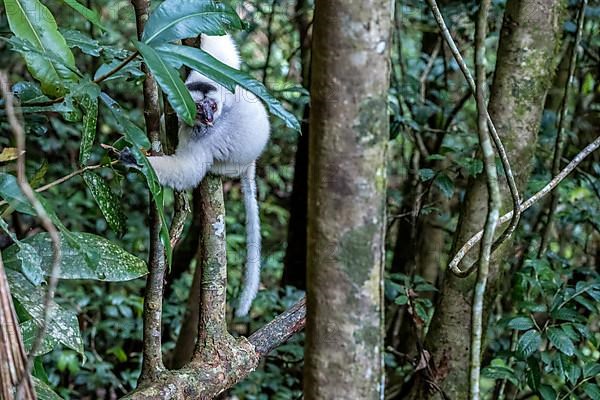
x=206 y=111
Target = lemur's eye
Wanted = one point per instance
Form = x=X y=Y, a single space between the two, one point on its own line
x=213 y=107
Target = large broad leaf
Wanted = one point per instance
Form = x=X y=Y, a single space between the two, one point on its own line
x=170 y=82
x=29 y=332
x=88 y=14
x=31 y=262
x=11 y=193
x=113 y=264
x=561 y=341
x=85 y=43
x=229 y=77
x=180 y=19
x=43 y=391
x=529 y=343
x=63 y=325
x=31 y=21
x=107 y=201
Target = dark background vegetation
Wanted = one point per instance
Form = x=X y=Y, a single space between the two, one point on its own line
x=430 y=107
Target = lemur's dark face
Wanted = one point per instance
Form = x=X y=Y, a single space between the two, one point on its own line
x=206 y=111
x=208 y=102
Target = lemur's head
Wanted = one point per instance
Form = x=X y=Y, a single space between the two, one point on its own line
x=209 y=101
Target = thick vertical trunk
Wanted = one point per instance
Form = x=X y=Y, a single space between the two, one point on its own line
x=527 y=52
x=346 y=205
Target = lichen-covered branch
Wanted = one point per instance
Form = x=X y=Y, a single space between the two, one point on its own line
x=494 y=201
x=512 y=185
x=152 y=363
x=548 y=188
x=212 y=327
x=196 y=381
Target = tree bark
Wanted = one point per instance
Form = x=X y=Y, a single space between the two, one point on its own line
x=346 y=205
x=529 y=41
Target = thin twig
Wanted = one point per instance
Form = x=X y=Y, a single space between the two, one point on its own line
x=560 y=135
x=428 y=68
x=66 y=178
x=512 y=185
x=45 y=220
x=469 y=244
x=152 y=362
x=494 y=202
x=116 y=69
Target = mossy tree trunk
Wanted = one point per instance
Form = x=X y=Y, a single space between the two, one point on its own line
x=346 y=204
x=526 y=62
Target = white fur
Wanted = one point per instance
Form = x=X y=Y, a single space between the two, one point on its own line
x=230 y=147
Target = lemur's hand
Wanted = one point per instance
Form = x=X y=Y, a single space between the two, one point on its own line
x=126 y=158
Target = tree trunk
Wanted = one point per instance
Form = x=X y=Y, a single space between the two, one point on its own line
x=346 y=205
x=526 y=63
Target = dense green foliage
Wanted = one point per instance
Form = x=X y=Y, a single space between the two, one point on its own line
x=544 y=326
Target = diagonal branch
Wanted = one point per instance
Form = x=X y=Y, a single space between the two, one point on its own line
x=196 y=381
x=512 y=185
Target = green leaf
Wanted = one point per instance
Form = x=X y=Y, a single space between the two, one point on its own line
x=426 y=174
x=113 y=264
x=170 y=82
x=591 y=370
x=567 y=314
x=30 y=262
x=560 y=340
x=29 y=331
x=131 y=131
x=85 y=43
x=229 y=77
x=107 y=201
x=43 y=391
x=445 y=184
x=131 y=70
x=10 y=191
x=592 y=390
x=573 y=373
x=88 y=134
x=63 y=325
x=177 y=19
x=547 y=392
x=521 y=323
x=31 y=21
x=88 y=14
x=529 y=343
x=401 y=300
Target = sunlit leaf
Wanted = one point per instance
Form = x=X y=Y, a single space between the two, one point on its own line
x=169 y=80
x=88 y=14
x=229 y=77
x=180 y=19
x=63 y=325
x=113 y=264
x=31 y=21
x=107 y=201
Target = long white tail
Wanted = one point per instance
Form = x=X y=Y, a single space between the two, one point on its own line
x=252 y=272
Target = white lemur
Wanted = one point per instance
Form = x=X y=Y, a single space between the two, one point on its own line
x=230 y=133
